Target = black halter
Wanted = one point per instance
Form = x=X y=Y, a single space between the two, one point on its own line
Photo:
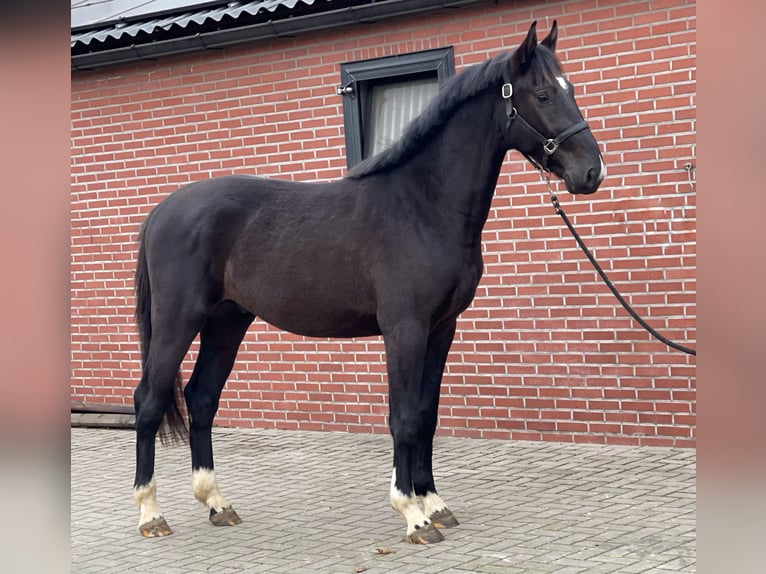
x=550 y=145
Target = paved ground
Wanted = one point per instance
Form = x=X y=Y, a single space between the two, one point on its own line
x=317 y=503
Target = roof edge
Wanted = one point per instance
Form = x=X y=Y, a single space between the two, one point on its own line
x=149 y=15
x=287 y=27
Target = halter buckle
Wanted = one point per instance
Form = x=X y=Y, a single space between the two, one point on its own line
x=507 y=91
x=550 y=146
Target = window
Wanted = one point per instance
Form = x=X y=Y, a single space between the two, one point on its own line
x=382 y=95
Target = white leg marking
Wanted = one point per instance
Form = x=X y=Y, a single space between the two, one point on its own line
x=408 y=507
x=206 y=489
x=146 y=500
x=432 y=502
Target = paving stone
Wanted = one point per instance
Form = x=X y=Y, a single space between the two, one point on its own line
x=317 y=503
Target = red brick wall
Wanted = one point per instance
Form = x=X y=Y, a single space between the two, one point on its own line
x=545 y=352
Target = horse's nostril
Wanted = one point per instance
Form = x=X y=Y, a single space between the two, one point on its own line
x=595 y=176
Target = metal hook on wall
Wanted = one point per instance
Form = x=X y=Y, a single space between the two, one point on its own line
x=691 y=171
x=346 y=90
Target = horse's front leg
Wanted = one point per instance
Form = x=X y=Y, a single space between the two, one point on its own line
x=406 y=344
x=439 y=342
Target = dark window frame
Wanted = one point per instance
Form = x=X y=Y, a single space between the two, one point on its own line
x=357 y=78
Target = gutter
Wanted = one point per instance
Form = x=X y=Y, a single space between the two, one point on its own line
x=288 y=27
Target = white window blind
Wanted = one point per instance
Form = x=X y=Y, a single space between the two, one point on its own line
x=393 y=106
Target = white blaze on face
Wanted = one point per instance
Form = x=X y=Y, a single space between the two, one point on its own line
x=407 y=506
x=602 y=174
x=563 y=83
x=206 y=490
x=146 y=500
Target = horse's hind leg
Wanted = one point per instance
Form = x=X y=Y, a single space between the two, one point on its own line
x=169 y=343
x=219 y=341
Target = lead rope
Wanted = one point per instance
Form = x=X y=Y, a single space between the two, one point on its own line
x=612 y=288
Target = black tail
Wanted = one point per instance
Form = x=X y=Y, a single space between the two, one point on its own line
x=173 y=429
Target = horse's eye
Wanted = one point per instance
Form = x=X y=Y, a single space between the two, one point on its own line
x=542 y=97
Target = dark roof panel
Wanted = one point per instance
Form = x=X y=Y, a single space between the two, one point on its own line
x=107 y=41
x=118 y=29
x=95 y=12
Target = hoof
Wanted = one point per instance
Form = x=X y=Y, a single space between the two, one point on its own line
x=154 y=528
x=428 y=534
x=226 y=517
x=443 y=519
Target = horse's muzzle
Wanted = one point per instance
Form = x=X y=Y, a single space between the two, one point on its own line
x=589 y=183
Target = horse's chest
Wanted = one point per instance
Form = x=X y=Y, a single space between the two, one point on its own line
x=458 y=288
x=465 y=290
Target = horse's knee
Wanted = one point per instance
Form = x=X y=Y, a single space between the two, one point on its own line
x=407 y=427
x=202 y=409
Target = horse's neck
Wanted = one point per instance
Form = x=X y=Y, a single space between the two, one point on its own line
x=462 y=164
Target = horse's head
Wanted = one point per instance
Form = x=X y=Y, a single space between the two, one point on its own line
x=543 y=120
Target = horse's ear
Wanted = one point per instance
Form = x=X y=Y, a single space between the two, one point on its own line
x=527 y=49
x=550 y=40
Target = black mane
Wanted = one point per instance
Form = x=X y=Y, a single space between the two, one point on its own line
x=543 y=67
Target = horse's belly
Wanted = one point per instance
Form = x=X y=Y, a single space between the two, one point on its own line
x=320 y=308
x=319 y=322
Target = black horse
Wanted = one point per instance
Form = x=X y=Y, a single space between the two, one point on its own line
x=393 y=249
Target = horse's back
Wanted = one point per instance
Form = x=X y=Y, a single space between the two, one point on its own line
x=293 y=253
x=216 y=211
